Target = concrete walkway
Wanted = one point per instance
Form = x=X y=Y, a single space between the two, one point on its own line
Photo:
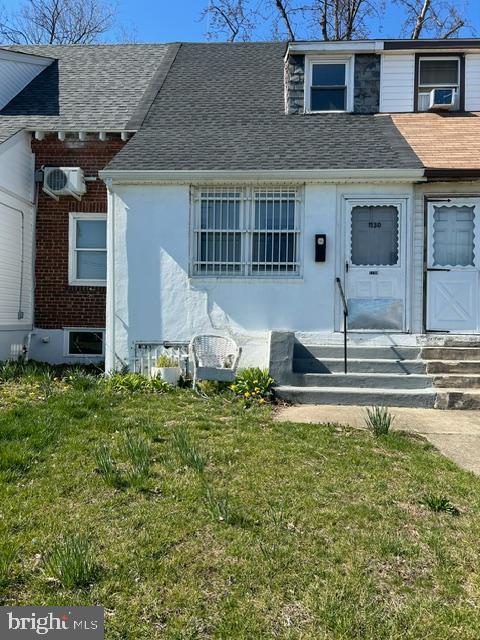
x=455 y=433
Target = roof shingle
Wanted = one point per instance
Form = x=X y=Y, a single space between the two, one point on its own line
x=87 y=87
x=222 y=107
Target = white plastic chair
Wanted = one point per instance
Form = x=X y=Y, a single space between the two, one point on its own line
x=214 y=358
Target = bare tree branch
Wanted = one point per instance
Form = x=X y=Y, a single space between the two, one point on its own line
x=57 y=22
x=229 y=19
x=433 y=18
x=282 y=9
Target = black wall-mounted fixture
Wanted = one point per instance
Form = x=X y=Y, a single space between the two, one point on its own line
x=320 y=247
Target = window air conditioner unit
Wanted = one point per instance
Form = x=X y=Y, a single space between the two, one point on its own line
x=64 y=181
x=443 y=99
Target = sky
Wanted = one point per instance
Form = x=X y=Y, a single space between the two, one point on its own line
x=177 y=20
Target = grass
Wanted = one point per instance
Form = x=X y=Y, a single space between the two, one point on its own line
x=290 y=531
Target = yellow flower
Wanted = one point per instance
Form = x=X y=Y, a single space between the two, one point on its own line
x=262 y=401
x=247 y=394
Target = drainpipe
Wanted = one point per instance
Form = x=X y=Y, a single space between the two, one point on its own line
x=110 y=320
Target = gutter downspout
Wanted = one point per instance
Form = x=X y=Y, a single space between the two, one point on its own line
x=110 y=363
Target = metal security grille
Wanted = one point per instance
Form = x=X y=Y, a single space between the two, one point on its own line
x=245 y=232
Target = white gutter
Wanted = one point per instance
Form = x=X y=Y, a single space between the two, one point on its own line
x=355 y=46
x=296 y=175
x=110 y=319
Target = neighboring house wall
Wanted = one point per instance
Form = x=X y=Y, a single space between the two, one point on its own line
x=155 y=299
x=16 y=71
x=397 y=83
x=472 y=82
x=57 y=303
x=16 y=244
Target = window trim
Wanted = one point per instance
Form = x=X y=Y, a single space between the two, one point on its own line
x=66 y=342
x=247 y=203
x=440 y=56
x=73 y=280
x=349 y=62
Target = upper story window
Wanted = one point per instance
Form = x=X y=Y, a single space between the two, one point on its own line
x=438 y=73
x=329 y=85
x=88 y=249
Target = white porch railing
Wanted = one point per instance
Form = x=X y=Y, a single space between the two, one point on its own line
x=146 y=354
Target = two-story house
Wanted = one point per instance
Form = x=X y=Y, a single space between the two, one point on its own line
x=65 y=111
x=269 y=181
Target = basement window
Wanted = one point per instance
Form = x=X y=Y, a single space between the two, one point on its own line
x=84 y=342
x=245 y=232
x=328 y=85
x=88 y=249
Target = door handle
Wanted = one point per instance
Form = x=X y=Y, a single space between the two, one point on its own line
x=432 y=269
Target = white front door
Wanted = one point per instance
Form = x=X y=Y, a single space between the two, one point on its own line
x=453 y=265
x=375 y=265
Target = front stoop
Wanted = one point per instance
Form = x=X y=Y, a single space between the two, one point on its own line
x=439 y=376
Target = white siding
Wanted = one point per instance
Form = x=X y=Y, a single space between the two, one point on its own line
x=397 y=83
x=16 y=71
x=16 y=234
x=472 y=82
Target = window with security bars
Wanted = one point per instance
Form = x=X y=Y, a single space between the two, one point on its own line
x=245 y=232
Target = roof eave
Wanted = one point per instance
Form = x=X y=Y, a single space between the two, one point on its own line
x=129 y=176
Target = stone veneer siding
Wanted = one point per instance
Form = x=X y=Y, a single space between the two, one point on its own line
x=58 y=304
x=367 y=83
x=294 y=84
x=366 y=80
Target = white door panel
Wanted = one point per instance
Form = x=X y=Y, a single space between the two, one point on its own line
x=375 y=279
x=452 y=267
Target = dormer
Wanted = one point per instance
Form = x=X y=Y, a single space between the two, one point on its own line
x=386 y=76
x=16 y=71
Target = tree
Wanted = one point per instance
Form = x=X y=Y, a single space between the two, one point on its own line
x=230 y=19
x=331 y=19
x=434 y=18
x=57 y=22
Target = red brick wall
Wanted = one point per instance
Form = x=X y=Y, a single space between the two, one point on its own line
x=57 y=304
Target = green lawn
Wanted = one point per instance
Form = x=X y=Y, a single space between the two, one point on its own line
x=290 y=531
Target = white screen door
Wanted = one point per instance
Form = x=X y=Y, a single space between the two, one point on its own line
x=375 y=266
x=452 y=266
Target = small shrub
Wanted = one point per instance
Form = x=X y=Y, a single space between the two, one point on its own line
x=187 y=451
x=136 y=449
x=254 y=385
x=440 y=504
x=219 y=507
x=80 y=380
x=8 y=554
x=71 y=562
x=379 y=420
x=164 y=361
x=107 y=466
x=135 y=383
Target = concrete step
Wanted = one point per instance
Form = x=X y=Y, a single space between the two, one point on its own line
x=335 y=365
x=450 y=353
x=457 y=382
x=362 y=380
x=356 y=352
x=362 y=397
x=461 y=399
x=452 y=366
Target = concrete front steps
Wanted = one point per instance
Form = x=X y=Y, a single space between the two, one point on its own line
x=445 y=377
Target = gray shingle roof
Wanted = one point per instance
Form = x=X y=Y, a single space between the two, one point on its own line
x=87 y=87
x=221 y=106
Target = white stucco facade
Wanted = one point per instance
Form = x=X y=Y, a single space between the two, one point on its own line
x=152 y=296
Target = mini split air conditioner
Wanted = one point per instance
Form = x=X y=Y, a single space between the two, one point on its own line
x=445 y=99
x=64 y=181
